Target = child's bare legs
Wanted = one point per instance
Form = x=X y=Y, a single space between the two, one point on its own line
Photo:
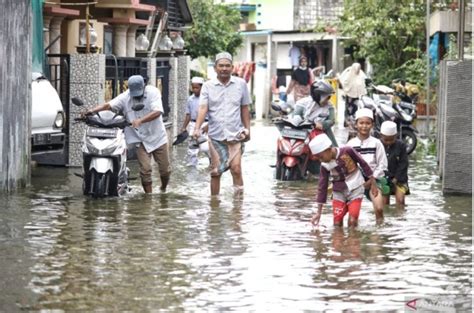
x=386 y=200
x=377 y=203
x=399 y=197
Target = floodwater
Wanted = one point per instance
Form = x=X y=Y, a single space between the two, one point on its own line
x=183 y=251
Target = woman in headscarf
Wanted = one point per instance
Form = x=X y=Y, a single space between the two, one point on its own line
x=301 y=80
x=353 y=84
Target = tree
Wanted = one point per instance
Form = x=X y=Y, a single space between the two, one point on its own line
x=214 y=29
x=390 y=34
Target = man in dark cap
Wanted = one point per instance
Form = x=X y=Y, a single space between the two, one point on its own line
x=147 y=132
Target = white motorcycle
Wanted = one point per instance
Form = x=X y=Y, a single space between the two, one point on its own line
x=104 y=150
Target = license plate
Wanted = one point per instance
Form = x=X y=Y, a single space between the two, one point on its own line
x=101 y=132
x=294 y=133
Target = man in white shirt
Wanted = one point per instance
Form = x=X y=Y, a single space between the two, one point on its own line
x=147 y=130
x=225 y=100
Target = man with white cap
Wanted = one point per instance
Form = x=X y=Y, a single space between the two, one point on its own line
x=397 y=174
x=225 y=100
x=373 y=152
x=192 y=109
x=147 y=131
x=342 y=166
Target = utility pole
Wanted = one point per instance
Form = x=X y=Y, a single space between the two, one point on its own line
x=462 y=17
x=428 y=69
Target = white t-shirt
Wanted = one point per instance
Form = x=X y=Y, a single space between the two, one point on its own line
x=152 y=134
x=373 y=152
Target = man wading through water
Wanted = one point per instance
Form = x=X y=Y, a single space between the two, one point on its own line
x=225 y=100
x=147 y=132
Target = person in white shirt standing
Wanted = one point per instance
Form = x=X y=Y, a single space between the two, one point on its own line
x=226 y=101
x=372 y=151
x=192 y=108
x=147 y=131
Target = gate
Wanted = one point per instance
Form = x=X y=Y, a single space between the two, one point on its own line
x=119 y=69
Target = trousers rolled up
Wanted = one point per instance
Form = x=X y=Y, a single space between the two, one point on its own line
x=161 y=157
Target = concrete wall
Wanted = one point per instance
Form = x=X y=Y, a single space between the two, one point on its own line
x=87 y=82
x=15 y=93
x=273 y=14
x=454 y=137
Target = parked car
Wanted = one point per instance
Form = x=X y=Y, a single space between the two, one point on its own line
x=47 y=123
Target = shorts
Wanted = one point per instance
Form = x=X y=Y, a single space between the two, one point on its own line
x=382 y=185
x=222 y=153
x=403 y=187
x=347 y=201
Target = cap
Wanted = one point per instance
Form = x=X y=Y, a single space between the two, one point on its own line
x=364 y=112
x=388 y=128
x=136 y=85
x=320 y=143
x=224 y=55
x=197 y=80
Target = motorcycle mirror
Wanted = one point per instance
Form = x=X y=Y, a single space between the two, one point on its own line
x=77 y=101
x=138 y=106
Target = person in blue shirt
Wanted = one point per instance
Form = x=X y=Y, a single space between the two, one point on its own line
x=192 y=108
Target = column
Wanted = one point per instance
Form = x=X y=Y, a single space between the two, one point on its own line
x=131 y=37
x=54 y=32
x=46 y=25
x=120 y=40
x=87 y=82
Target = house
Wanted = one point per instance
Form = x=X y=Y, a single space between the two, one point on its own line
x=93 y=47
x=271 y=28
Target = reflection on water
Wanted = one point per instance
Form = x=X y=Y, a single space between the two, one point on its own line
x=184 y=250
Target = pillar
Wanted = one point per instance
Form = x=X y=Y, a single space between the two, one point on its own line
x=131 y=37
x=54 y=32
x=46 y=26
x=173 y=95
x=15 y=98
x=87 y=82
x=120 y=40
x=184 y=79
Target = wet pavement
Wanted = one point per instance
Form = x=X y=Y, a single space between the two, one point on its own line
x=183 y=251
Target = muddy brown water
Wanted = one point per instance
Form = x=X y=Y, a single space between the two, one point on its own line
x=183 y=251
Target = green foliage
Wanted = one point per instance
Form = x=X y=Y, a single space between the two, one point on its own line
x=388 y=33
x=214 y=29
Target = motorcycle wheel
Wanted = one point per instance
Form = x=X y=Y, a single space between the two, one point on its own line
x=100 y=187
x=410 y=140
x=288 y=174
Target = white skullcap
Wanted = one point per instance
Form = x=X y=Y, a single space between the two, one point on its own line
x=224 y=55
x=320 y=143
x=388 y=128
x=364 y=112
x=197 y=80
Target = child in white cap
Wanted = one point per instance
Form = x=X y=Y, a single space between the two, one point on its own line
x=373 y=152
x=192 y=108
x=342 y=166
x=397 y=174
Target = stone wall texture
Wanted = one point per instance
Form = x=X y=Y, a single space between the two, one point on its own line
x=309 y=13
x=183 y=88
x=87 y=83
x=454 y=133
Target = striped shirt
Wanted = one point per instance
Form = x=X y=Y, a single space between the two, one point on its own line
x=373 y=152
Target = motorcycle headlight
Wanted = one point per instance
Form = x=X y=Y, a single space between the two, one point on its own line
x=285 y=147
x=59 y=120
x=298 y=149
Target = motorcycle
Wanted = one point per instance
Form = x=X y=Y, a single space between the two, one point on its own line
x=104 y=150
x=293 y=153
x=382 y=102
x=389 y=110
